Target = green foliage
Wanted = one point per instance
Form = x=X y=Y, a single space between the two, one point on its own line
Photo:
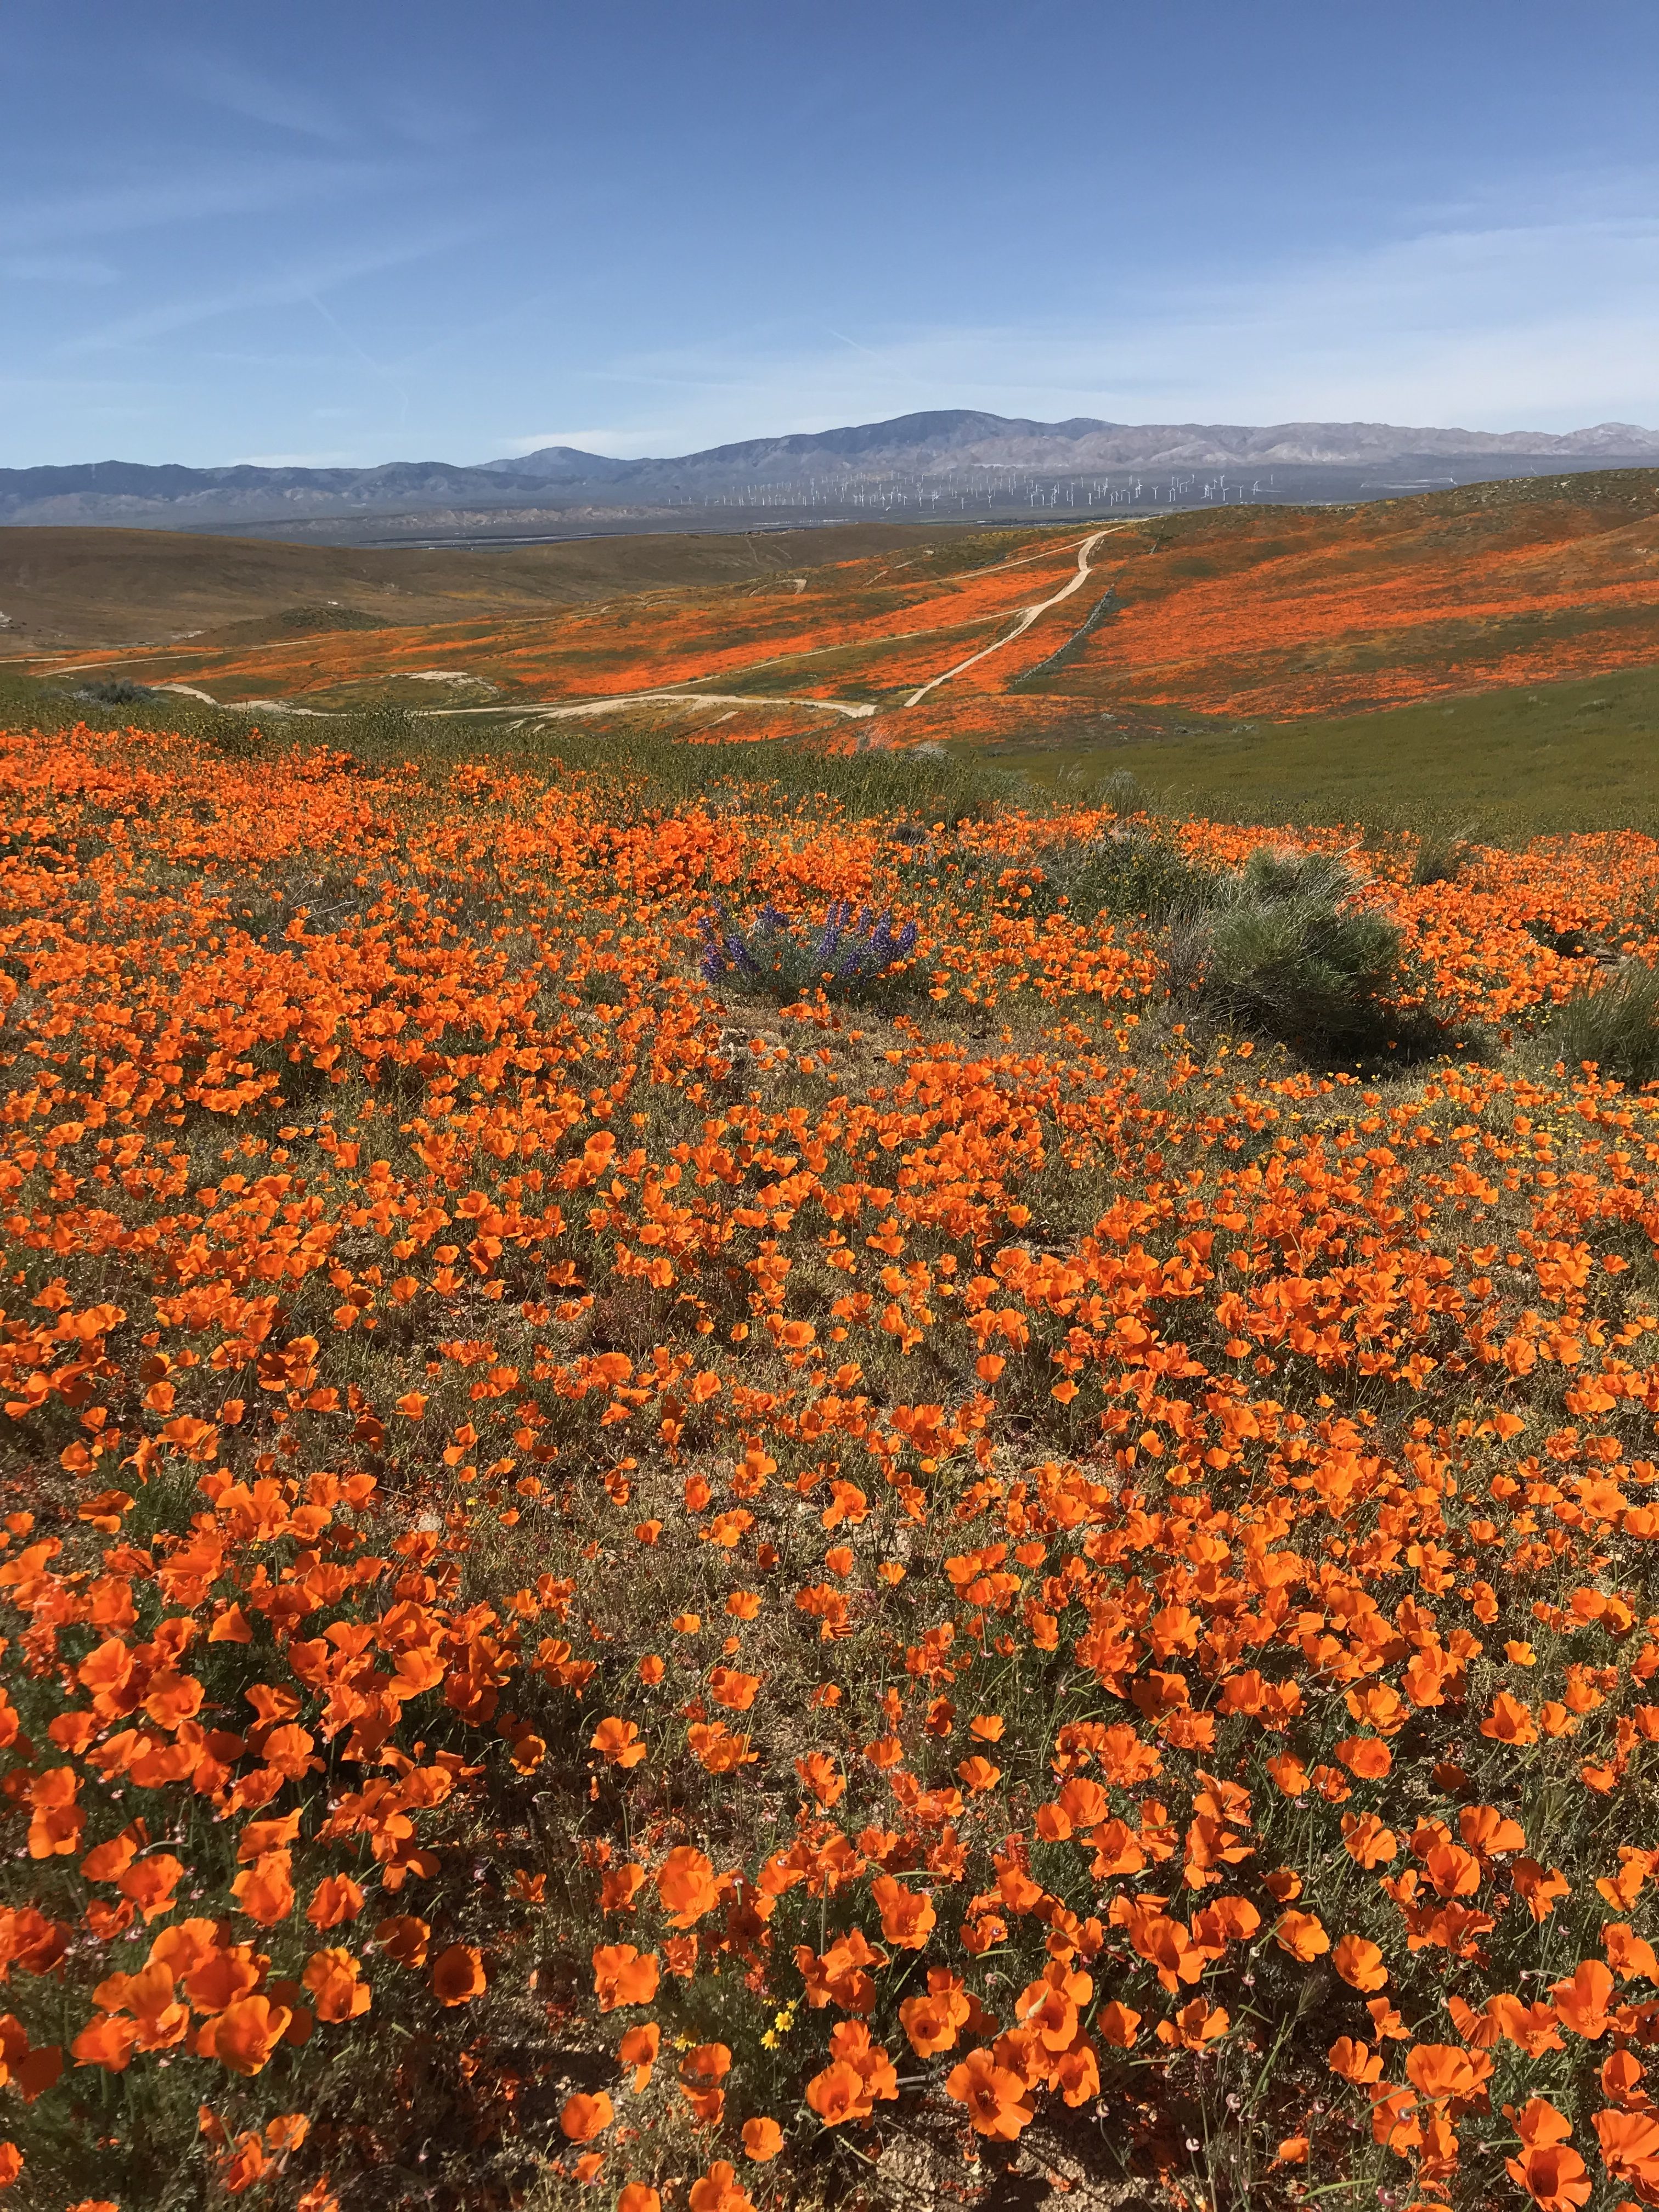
x=1284 y=949
x=1133 y=871
x=118 y=693
x=306 y=621
x=1615 y=1024
x=1442 y=853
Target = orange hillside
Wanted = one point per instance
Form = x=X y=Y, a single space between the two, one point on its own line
x=1272 y=612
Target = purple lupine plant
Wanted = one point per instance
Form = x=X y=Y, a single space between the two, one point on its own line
x=842 y=953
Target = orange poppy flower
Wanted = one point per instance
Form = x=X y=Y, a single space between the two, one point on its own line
x=105 y=1862
x=1195 y=2024
x=173 y=1698
x=618 y=1741
x=582 y=2117
x=1582 y=2000
x=220 y=1978
x=1510 y=1721
x=338 y=1991
x=1441 y=2069
x=403 y=1938
x=638 y=2049
x=1366 y=1839
x=106 y=2042
x=1553 y=2175
x=264 y=1890
x=288 y=1751
x=1454 y=1871
x=706 y=2062
x=1630 y=2147
x=1621 y=2077
x=734 y=1689
x=622 y=1976
x=458 y=1974
x=717 y=2190
x=907 y=1917
x=244 y=2035
x=150 y=1884
x=762 y=2139
x=1359 y=1962
x=55 y=1829
x=1489 y=1831
x=1541 y=1890
x=259 y=1837
x=1354 y=2062
x=838 y=2095
x=994 y=2097
x=978 y=1774
x=618 y=1887
x=1303 y=1935
x=932 y=2022
x=686 y=1884
x=336 y=1899
x=818 y=1773
x=1366 y=1756
x=1629 y=1954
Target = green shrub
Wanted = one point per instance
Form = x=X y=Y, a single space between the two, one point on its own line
x=1283 y=950
x=1443 y=854
x=1616 y=1025
x=1125 y=873
x=117 y=693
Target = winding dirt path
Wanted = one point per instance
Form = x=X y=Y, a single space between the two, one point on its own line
x=850 y=710
x=1027 y=616
x=558 y=710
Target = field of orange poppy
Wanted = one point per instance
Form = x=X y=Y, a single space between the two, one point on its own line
x=1020 y=636
x=630 y=1584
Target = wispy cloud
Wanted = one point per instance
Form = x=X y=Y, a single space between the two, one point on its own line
x=56 y=269
x=1543 y=324
x=192 y=195
x=221 y=83
x=301 y=283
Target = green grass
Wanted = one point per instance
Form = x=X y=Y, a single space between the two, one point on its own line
x=1509 y=764
x=1499 y=767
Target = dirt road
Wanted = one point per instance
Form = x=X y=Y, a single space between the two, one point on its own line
x=1027 y=616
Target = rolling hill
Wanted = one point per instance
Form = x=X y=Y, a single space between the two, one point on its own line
x=66 y=588
x=1302 y=651
x=1275 y=612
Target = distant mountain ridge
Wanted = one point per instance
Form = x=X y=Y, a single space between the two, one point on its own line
x=956 y=438
x=959 y=444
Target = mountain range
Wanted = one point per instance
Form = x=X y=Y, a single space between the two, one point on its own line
x=969 y=450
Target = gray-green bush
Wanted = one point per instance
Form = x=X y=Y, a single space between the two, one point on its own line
x=1284 y=949
x=1128 y=872
x=1615 y=1025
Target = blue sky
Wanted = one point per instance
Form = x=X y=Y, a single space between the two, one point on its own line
x=345 y=231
